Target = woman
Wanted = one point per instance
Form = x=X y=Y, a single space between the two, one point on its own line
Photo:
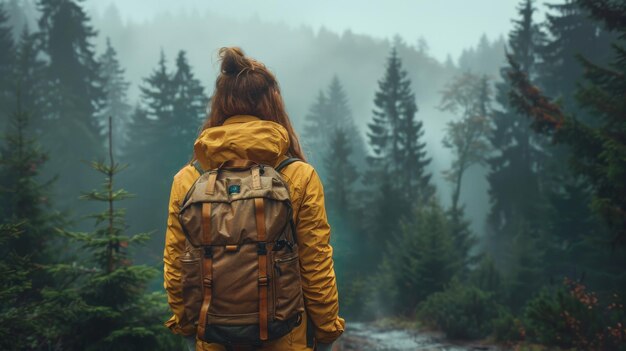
x=247 y=120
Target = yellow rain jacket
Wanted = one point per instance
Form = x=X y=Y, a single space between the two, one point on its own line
x=248 y=137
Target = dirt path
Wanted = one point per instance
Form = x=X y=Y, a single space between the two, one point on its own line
x=365 y=337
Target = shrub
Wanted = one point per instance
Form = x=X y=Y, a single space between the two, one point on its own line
x=572 y=317
x=460 y=311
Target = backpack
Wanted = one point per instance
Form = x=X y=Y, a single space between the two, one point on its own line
x=240 y=268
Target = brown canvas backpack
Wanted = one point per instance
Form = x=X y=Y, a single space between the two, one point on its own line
x=240 y=269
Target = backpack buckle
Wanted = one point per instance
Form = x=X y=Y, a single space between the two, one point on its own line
x=263 y=281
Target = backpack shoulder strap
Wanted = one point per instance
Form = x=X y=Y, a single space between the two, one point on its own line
x=198 y=168
x=286 y=163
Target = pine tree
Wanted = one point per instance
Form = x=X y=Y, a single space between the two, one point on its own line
x=117 y=313
x=30 y=77
x=341 y=173
x=73 y=134
x=514 y=177
x=395 y=135
x=157 y=93
x=24 y=200
x=16 y=282
x=329 y=113
x=570 y=32
x=172 y=106
x=7 y=58
x=28 y=229
x=189 y=107
x=115 y=88
x=597 y=152
x=419 y=261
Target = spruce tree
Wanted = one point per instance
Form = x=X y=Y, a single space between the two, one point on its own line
x=28 y=231
x=166 y=123
x=570 y=32
x=341 y=173
x=117 y=314
x=24 y=200
x=419 y=261
x=189 y=108
x=516 y=165
x=597 y=152
x=73 y=134
x=16 y=281
x=329 y=113
x=7 y=58
x=395 y=134
x=30 y=77
x=115 y=89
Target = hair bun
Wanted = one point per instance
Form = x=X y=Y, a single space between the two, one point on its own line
x=233 y=60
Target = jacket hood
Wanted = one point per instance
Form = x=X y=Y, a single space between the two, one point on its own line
x=242 y=137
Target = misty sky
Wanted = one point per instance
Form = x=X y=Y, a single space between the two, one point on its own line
x=449 y=26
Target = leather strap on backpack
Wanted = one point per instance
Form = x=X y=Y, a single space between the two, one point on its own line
x=207 y=268
x=286 y=163
x=259 y=209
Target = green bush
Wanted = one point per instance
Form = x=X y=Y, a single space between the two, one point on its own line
x=460 y=311
x=572 y=317
x=507 y=328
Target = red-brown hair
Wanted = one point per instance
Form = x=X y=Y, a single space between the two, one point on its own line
x=246 y=87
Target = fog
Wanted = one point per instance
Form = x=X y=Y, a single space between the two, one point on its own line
x=305 y=47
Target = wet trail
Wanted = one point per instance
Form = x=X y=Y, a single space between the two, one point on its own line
x=366 y=337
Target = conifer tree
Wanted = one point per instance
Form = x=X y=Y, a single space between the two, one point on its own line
x=27 y=228
x=341 y=174
x=115 y=89
x=514 y=169
x=598 y=152
x=117 y=312
x=15 y=283
x=189 y=108
x=73 y=134
x=395 y=134
x=329 y=113
x=570 y=32
x=166 y=123
x=7 y=55
x=24 y=200
x=419 y=261
x=30 y=77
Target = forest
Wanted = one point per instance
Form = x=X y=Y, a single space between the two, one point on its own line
x=489 y=201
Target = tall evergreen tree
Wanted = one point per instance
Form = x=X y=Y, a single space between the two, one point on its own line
x=115 y=88
x=598 y=152
x=30 y=77
x=73 y=133
x=329 y=113
x=514 y=169
x=419 y=261
x=189 y=108
x=570 y=32
x=7 y=58
x=341 y=173
x=117 y=313
x=24 y=200
x=395 y=134
x=172 y=107
x=27 y=231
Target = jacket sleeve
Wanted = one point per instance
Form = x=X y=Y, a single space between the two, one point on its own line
x=317 y=272
x=174 y=247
